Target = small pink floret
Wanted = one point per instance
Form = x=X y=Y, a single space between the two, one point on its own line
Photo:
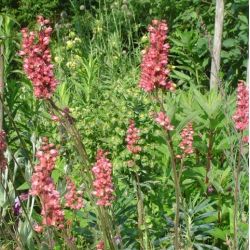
x=162 y=119
x=73 y=197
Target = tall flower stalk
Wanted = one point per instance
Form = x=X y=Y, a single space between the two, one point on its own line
x=132 y=139
x=44 y=187
x=163 y=120
x=67 y=121
x=154 y=76
x=241 y=120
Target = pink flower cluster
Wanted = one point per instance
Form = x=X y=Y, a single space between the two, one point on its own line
x=100 y=245
x=132 y=138
x=44 y=187
x=241 y=116
x=162 y=119
x=73 y=198
x=3 y=147
x=103 y=187
x=186 y=144
x=154 y=72
x=37 y=59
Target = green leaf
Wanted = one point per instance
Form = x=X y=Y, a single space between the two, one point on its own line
x=203 y=102
x=228 y=43
x=180 y=75
x=218 y=233
x=186 y=68
x=56 y=175
x=243 y=19
x=186 y=120
x=177 y=42
x=24 y=186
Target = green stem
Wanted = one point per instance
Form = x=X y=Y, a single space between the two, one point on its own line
x=177 y=191
x=181 y=169
x=176 y=178
x=209 y=154
x=143 y=237
x=236 y=194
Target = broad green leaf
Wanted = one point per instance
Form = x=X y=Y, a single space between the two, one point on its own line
x=219 y=234
x=228 y=43
x=24 y=186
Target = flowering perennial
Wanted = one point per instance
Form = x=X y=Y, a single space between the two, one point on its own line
x=162 y=119
x=44 y=187
x=103 y=187
x=3 y=147
x=37 y=59
x=241 y=116
x=73 y=198
x=154 y=72
x=186 y=144
x=132 y=138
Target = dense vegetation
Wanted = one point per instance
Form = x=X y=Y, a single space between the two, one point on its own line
x=165 y=168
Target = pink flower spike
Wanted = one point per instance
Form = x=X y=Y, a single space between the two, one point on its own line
x=72 y=197
x=103 y=187
x=43 y=186
x=186 y=144
x=155 y=59
x=162 y=119
x=241 y=116
x=37 y=59
x=132 y=138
